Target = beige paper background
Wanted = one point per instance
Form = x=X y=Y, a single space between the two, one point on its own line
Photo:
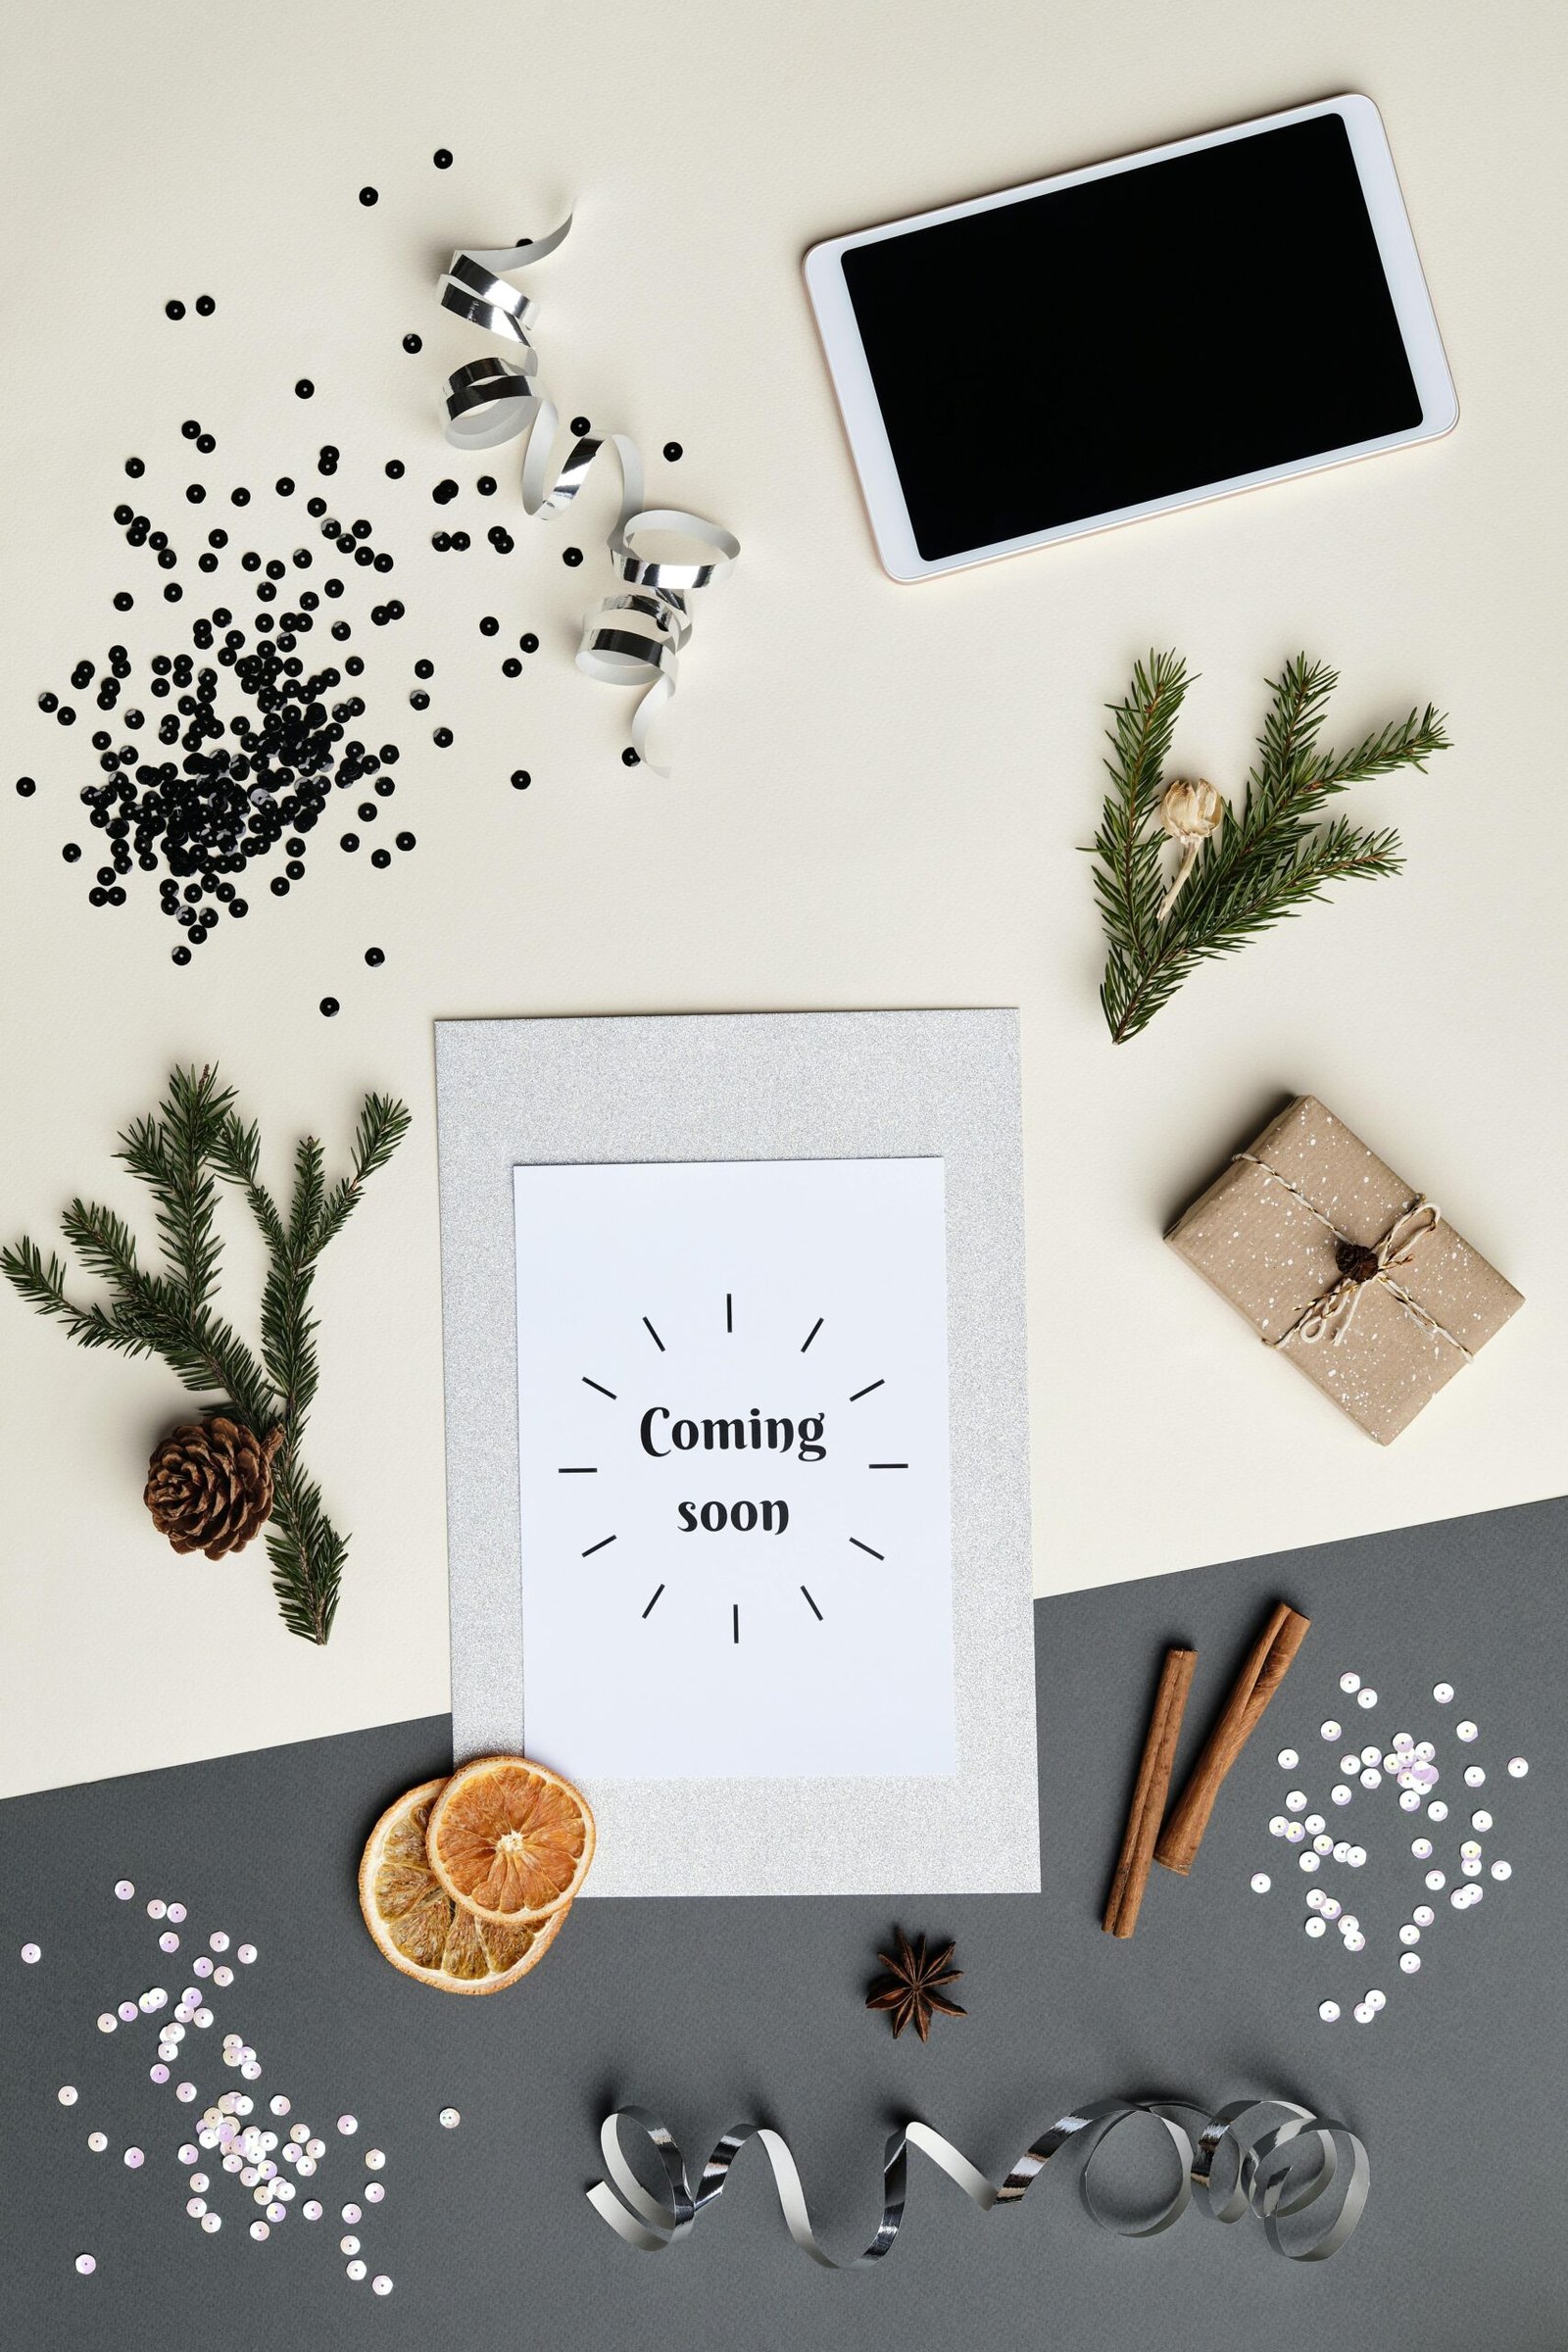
x=878 y=789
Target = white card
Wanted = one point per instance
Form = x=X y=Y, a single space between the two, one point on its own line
x=736 y=1545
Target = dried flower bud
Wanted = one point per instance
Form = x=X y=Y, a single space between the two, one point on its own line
x=1191 y=809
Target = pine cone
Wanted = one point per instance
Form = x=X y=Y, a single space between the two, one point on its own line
x=210 y=1485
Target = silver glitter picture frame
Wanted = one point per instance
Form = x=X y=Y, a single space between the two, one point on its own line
x=758 y=1086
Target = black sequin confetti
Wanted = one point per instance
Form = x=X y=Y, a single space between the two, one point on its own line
x=629 y=758
x=394 y=470
x=443 y=492
x=173 y=310
x=414 y=342
x=366 y=196
x=330 y=1006
x=581 y=426
x=303 y=389
x=442 y=159
x=487 y=485
x=571 y=557
x=136 y=468
x=205 y=306
x=25 y=787
x=521 y=779
x=673 y=452
x=374 y=956
x=528 y=644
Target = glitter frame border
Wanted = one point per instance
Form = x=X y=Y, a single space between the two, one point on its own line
x=759 y=1086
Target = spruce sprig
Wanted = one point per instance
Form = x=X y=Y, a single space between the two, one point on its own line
x=191 y=1143
x=1270 y=858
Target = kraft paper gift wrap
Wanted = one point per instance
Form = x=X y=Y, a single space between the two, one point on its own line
x=1344 y=1268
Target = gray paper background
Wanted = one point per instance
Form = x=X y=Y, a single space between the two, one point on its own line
x=757 y=1086
x=716 y=2011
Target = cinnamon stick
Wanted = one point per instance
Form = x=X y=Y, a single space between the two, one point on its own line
x=1147 y=1807
x=1267 y=1664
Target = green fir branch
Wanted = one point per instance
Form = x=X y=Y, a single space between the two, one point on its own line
x=307 y=1553
x=197 y=1135
x=236 y=1158
x=42 y=1284
x=1272 y=856
x=383 y=1123
x=1126 y=874
x=170 y=1153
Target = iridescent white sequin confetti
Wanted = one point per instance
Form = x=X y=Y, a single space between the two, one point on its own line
x=244 y=2151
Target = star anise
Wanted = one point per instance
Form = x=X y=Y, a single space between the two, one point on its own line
x=910 y=1990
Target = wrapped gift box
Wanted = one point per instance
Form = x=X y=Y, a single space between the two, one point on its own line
x=1344 y=1268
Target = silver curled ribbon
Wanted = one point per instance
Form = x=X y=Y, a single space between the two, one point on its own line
x=1246 y=2157
x=662 y=554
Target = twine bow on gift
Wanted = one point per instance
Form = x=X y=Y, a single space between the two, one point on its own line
x=1361 y=1267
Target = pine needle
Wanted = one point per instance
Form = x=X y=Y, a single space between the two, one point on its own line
x=194 y=1137
x=1272 y=856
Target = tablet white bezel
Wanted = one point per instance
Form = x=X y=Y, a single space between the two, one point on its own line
x=862 y=416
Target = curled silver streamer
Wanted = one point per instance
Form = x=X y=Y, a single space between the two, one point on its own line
x=1243 y=2158
x=662 y=555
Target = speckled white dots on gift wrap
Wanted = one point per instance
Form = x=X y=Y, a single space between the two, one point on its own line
x=1263 y=1250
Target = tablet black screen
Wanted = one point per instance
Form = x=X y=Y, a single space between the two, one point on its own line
x=1147 y=334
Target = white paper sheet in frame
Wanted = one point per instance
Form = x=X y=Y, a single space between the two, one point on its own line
x=732 y=1388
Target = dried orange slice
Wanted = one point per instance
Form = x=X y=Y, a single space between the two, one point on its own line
x=416 y=1924
x=511 y=1841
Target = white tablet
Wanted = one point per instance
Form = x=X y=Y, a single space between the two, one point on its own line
x=1140 y=336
